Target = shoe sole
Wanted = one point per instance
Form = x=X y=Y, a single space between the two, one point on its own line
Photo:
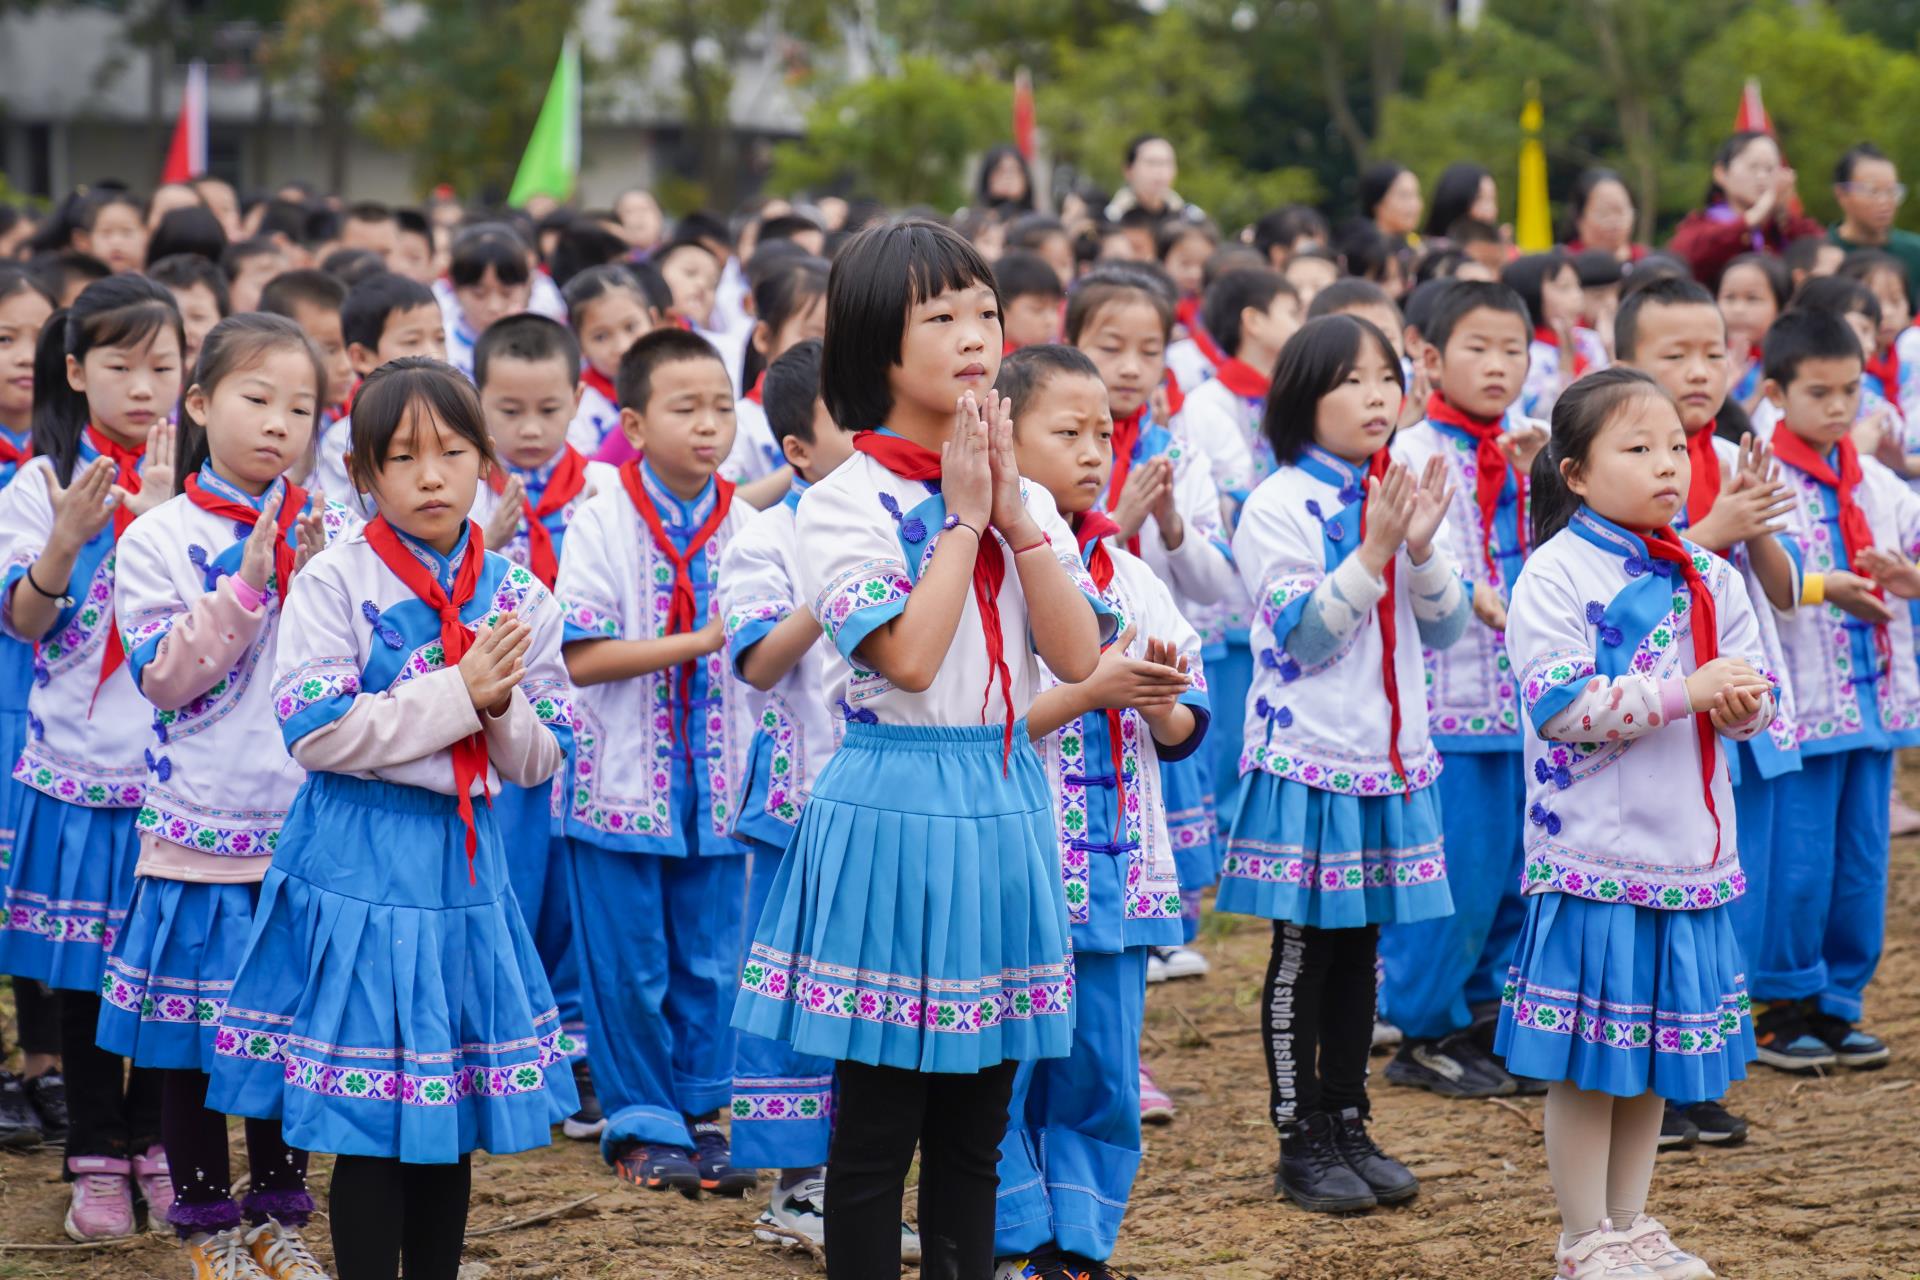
x=1385 y=1198
x=22 y=1139
x=80 y=1237
x=786 y=1244
x=732 y=1187
x=688 y=1187
x=1865 y=1061
x=1156 y=1117
x=1330 y=1204
x=582 y=1132
x=1176 y=974
x=1721 y=1139
x=1677 y=1144
x=1444 y=1088
x=1794 y=1064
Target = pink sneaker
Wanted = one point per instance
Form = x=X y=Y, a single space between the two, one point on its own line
x=156 y=1188
x=102 y=1205
x=1155 y=1106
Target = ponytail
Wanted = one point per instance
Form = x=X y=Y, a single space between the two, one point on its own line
x=777 y=298
x=1549 y=502
x=59 y=412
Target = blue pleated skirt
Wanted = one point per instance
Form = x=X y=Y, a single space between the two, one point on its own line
x=917 y=920
x=68 y=890
x=1229 y=680
x=1334 y=861
x=171 y=970
x=386 y=1005
x=1191 y=822
x=13 y=737
x=1624 y=999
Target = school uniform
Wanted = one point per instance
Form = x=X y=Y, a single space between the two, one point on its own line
x=1627 y=976
x=1072 y=1147
x=1858 y=698
x=394 y=1006
x=1546 y=366
x=16 y=675
x=782 y=1100
x=1438 y=971
x=658 y=880
x=219 y=780
x=598 y=415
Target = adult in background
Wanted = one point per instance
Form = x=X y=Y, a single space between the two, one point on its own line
x=1151 y=169
x=1746 y=209
x=1600 y=216
x=1004 y=179
x=1870 y=192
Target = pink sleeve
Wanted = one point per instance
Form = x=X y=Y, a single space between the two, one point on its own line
x=1610 y=709
x=616 y=449
x=521 y=748
x=201 y=648
x=407 y=722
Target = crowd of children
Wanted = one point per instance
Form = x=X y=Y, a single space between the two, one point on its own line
x=771 y=697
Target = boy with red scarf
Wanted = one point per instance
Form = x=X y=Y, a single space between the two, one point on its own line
x=1443 y=975
x=658 y=880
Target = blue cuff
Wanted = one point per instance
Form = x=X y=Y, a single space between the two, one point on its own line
x=570 y=633
x=750 y=635
x=1554 y=701
x=317 y=715
x=1202 y=720
x=864 y=622
x=138 y=659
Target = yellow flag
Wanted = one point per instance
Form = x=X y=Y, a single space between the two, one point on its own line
x=1533 y=220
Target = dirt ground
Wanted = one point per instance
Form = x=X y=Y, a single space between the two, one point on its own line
x=1828 y=1185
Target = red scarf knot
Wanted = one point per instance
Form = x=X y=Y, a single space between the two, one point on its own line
x=563 y=486
x=600 y=382
x=1703 y=490
x=1241 y=378
x=1491 y=467
x=1664 y=544
x=1389 y=636
x=292 y=503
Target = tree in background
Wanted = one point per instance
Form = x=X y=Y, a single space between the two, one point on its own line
x=330 y=49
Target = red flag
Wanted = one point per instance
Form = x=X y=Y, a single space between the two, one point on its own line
x=187 y=156
x=1023 y=113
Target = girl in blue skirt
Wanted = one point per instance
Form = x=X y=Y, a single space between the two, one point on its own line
x=1635 y=651
x=1338 y=831
x=390 y=1006
x=916 y=931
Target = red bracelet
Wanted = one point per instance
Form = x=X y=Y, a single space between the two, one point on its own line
x=1045 y=541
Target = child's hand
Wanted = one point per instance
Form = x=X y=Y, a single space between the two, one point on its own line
x=82 y=509
x=505 y=520
x=1430 y=499
x=1748 y=507
x=1167 y=654
x=1148 y=487
x=1390 y=502
x=1009 y=513
x=256 y=554
x=1706 y=684
x=494 y=665
x=1734 y=706
x=1854 y=595
x=1120 y=681
x=966 y=474
x=713 y=636
x=156 y=471
x=1890 y=570
x=1524 y=444
x=1158 y=404
x=1489 y=607
x=309 y=533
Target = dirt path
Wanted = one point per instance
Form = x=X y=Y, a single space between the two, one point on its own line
x=1828 y=1185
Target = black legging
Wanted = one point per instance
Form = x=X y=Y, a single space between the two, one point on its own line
x=38 y=1018
x=382 y=1211
x=881 y=1114
x=196 y=1142
x=1317 y=1019
x=111 y=1111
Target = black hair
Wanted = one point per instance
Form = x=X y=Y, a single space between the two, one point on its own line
x=770 y=258
x=18 y=278
x=793 y=388
x=385 y=399
x=1140 y=218
x=584 y=244
x=283 y=218
x=701 y=225
x=369 y=211
x=1836 y=295
x=119 y=311
x=1669 y=291
x=1418 y=312
x=1654 y=266
x=1118 y=283
x=351 y=266
x=1031 y=230
x=193 y=229
x=1802 y=335
x=878 y=278
x=240 y=251
x=778 y=297
x=1528 y=276
x=596 y=283
x=1851 y=157
x=1028 y=371
x=1286 y=225
x=1579 y=415
x=1466 y=297
x=1596 y=268
x=1439 y=264
x=991 y=161
x=1589 y=181
x=1366 y=250
x=9 y=217
x=666 y=251
x=1454 y=193
x=489 y=245
x=1316 y=360
x=55 y=271
x=1020 y=272
x=412 y=222
x=1464 y=231
x=1864 y=264
x=368 y=305
x=1375 y=181
x=1172 y=231
x=1779 y=283
x=303 y=287
x=1140 y=140
x=1232 y=256
x=236 y=343
x=785 y=227
x=1803 y=253
x=185 y=270
x=1729 y=151
x=1348 y=295
x=320 y=225
x=102 y=198
x=528 y=337
x=634 y=383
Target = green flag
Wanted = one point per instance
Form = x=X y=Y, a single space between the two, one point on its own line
x=551 y=165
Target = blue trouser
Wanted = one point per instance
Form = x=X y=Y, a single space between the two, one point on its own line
x=1072 y=1146
x=1437 y=970
x=1826 y=905
x=660 y=941
x=1228 y=680
x=536 y=867
x=782 y=1100
x=1753 y=805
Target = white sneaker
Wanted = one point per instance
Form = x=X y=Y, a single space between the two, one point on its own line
x=1156 y=968
x=1184 y=962
x=909 y=1245
x=799 y=1210
x=583 y=1130
x=1604 y=1254
x=1386 y=1035
x=1653 y=1246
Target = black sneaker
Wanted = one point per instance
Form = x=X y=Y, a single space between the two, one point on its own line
x=1717 y=1126
x=1786 y=1040
x=658 y=1167
x=19 y=1126
x=1313 y=1173
x=1390 y=1181
x=1677 y=1133
x=1450 y=1067
x=714 y=1158
x=589 y=1122
x=1084 y=1268
x=48 y=1094
x=1851 y=1046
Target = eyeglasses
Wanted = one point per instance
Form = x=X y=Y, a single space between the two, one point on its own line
x=1896 y=193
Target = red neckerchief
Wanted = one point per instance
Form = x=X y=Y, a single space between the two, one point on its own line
x=12 y=455
x=1490 y=468
x=1856 y=533
x=1703 y=490
x=1664 y=544
x=1389 y=637
x=758 y=391
x=1175 y=396
x=470 y=752
x=1886 y=367
x=600 y=382
x=1243 y=379
x=910 y=461
x=292 y=503
x=346 y=406
x=568 y=479
x=1542 y=333
x=1089 y=528
x=1126 y=435
x=126 y=474
x=683 y=608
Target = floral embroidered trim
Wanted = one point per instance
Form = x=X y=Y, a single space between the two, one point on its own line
x=1344 y=777
x=784 y=765
x=76 y=783
x=406 y=1087
x=139 y=633
x=594 y=621
x=872 y=584
x=918 y=1003
x=131 y=990
x=314 y=682
x=774 y=611
x=83 y=633
x=92 y=923
x=1624 y=1026
x=1551 y=671
x=162 y=815
x=805 y=1099
x=1328 y=873
x=1641 y=888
